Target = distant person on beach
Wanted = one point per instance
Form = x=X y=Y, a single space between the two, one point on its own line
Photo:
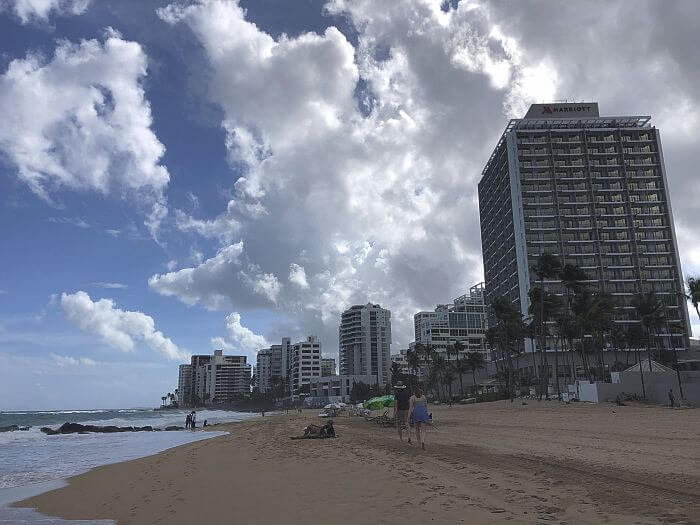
x=262 y=412
x=327 y=430
x=418 y=413
x=205 y=423
x=671 y=397
x=402 y=403
x=188 y=421
x=193 y=425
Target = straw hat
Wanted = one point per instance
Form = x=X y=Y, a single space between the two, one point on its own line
x=399 y=385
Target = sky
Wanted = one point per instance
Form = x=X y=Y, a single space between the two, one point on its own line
x=177 y=177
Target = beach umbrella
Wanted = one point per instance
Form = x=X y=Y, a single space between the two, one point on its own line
x=377 y=403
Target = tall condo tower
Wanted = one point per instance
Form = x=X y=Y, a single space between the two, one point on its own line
x=591 y=190
x=365 y=341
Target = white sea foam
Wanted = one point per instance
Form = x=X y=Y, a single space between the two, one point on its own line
x=31 y=456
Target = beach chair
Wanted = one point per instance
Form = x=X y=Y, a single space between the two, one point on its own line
x=376 y=419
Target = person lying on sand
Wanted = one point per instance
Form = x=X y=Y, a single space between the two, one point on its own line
x=316 y=432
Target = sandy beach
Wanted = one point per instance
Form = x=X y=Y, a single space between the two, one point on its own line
x=490 y=463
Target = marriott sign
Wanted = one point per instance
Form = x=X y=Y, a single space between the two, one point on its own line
x=547 y=111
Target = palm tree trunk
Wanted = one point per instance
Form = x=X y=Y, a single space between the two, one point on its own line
x=641 y=374
x=556 y=368
x=461 y=386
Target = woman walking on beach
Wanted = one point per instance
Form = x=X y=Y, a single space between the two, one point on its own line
x=418 y=413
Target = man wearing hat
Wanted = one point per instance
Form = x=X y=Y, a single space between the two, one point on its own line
x=401 y=404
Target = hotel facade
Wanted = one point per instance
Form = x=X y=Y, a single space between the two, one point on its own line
x=592 y=191
x=365 y=342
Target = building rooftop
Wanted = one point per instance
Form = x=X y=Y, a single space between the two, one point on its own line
x=536 y=120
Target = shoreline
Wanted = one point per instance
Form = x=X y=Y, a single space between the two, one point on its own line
x=484 y=463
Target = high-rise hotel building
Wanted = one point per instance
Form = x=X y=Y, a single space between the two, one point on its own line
x=592 y=190
x=365 y=342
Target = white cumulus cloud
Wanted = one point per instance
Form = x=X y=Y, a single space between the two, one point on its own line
x=119 y=329
x=239 y=338
x=80 y=121
x=297 y=276
x=64 y=360
x=40 y=10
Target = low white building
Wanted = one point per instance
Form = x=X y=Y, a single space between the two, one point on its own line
x=338 y=386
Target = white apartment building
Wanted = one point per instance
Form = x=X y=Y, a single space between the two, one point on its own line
x=305 y=364
x=462 y=321
x=184 y=385
x=365 y=342
x=214 y=379
x=327 y=367
x=228 y=377
x=273 y=361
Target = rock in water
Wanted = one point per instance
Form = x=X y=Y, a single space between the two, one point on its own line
x=77 y=428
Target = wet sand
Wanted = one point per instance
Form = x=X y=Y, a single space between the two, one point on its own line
x=542 y=462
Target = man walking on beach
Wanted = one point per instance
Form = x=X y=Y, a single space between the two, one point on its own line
x=671 y=397
x=401 y=403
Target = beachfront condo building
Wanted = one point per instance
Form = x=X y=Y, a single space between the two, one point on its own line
x=214 y=378
x=463 y=321
x=273 y=362
x=305 y=364
x=184 y=385
x=365 y=342
x=327 y=367
x=592 y=191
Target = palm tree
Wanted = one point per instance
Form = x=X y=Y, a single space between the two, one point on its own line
x=440 y=365
x=617 y=340
x=162 y=399
x=448 y=378
x=543 y=303
x=475 y=361
x=510 y=330
x=432 y=381
x=573 y=279
x=396 y=374
x=547 y=266
x=635 y=339
x=694 y=292
x=651 y=314
x=458 y=348
x=604 y=314
x=413 y=361
x=460 y=368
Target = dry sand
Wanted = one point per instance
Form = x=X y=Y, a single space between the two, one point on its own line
x=490 y=463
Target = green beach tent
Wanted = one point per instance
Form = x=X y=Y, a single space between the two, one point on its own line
x=377 y=403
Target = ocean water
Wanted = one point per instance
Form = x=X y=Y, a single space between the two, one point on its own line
x=32 y=462
x=31 y=456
